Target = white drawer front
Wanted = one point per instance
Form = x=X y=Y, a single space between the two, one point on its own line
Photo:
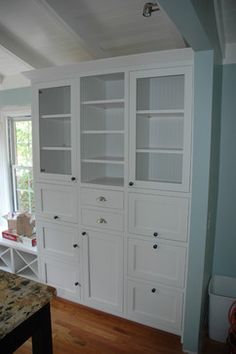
x=155 y=305
x=58 y=241
x=103 y=198
x=162 y=215
x=63 y=277
x=102 y=220
x=157 y=261
x=56 y=202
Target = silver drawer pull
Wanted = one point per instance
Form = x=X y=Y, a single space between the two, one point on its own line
x=101 y=199
x=101 y=221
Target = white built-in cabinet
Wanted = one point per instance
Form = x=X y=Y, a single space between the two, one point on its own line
x=112 y=161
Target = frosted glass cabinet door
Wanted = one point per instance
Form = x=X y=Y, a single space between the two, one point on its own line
x=160 y=127
x=55 y=130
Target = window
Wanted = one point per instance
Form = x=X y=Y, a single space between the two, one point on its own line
x=20 y=157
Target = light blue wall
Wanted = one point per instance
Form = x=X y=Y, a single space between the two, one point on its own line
x=15 y=97
x=225 y=244
x=203 y=91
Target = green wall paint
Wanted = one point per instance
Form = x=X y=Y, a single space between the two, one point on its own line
x=225 y=244
x=15 y=97
x=203 y=90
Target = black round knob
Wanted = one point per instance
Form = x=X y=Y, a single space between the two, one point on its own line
x=131 y=183
x=84 y=233
x=154 y=246
x=155 y=234
x=153 y=290
x=76 y=283
x=75 y=245
x=56 y=217
x=73 y=178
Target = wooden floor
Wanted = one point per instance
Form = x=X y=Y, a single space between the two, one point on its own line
x=77 y=330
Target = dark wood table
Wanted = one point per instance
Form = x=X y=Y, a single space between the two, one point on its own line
x=24 y=313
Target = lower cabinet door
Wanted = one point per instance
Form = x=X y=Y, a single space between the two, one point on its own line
x=155 y=305
x=64 y=277
x=103 y=273
x=157 y=261
x=58 y=241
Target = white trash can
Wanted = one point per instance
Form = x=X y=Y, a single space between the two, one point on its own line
x=222 y=293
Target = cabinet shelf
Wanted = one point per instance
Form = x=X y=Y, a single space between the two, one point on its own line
x=107 y=181
x=161 y=150
x=17 y=245
x=114 y=103
x=102 y=132
x=55 y=116
x=105 y=159
x=56 y=148
x=160 y=113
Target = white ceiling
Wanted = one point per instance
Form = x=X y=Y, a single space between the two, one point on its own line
x=44 y=33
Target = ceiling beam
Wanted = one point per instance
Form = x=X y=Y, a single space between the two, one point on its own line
x=78 y=31
x=22 y=50
x=196 y=21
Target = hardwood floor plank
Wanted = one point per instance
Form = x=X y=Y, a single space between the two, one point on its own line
x=80 y=330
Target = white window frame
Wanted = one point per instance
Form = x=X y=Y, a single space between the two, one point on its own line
x=6 y=114
x=12 y=150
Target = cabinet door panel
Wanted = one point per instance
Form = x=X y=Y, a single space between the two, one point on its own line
x=164 y=215
x=57 y=240
x=157 y=261
x=64 y=277
x=56 y=202
x=160 y=126
x=103 y=259
x=155 y=305
x=54 y=130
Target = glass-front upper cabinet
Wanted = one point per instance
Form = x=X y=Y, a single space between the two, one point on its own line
x=55 y=130
x=160 y=128
x=102 y=99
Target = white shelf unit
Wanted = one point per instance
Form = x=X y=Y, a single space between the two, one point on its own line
x=18 y=258
x=55 y=139
x=102 y=129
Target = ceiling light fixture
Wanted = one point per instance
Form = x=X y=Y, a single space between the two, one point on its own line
x=150 y=7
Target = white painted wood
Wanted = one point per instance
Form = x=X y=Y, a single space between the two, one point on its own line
x=58 y=241
x=161 y=309
x=102 y=198
x=158 y=162
x=167 y=216
x=103 y=262
x=6 y=261
x=102 y=220
x=164 y=94
x=164 y=58
x=56 y=202
x=63 y=276
x=18 y=258
x=157 y=261
x=54 y=130
x=102 y=109
x=25 y=264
